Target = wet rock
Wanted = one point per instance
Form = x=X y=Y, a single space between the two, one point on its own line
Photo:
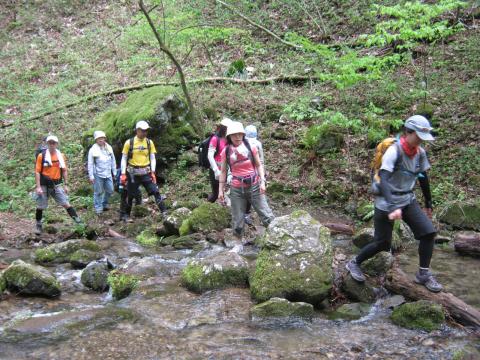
x=461 y=215
x=424 y=315
x=352 y=311
x=279 y=307
x=207 y=217
x=83 y=257
x=122 y=284
x=61 y=252
x=363 y=292
x=173 y=221
x=95 y=275
x=363 y=236
x=215 y=272
x=393 y=301
x=295 y=261
x=28 y=279
x=148 y=267
x=379 y=264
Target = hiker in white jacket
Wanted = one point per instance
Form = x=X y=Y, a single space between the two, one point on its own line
x=101 y=169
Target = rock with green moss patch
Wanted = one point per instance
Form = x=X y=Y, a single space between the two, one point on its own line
x=461 y=215
x=352 y=311
x=295 y=261
x=61 y=252
x=423 y=315
x=95 y=276
x=140 y=211
x=183 y=242
x=83 y=257
x=279 y=308
x=356 y=291
x=379 y=264
x=218 y=271
x=207 y=217
x=3 y=283
x=175 y=219
x=28 y=279
x=148 y=238
x=363 y=236
x=122 y=284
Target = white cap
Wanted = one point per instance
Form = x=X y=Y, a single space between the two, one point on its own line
x=99 y=134
x=226 y=121
x=142 y=124
x=51 y=138
x=421 y=126
x=235 y=127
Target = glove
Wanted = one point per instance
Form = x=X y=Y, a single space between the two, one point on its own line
x=123 y=179
x=154 y=178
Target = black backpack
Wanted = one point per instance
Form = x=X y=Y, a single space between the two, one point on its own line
x=203 y=151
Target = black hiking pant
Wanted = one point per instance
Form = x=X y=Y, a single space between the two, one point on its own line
x=214 y=184
x=133 y=184
x=418 y=222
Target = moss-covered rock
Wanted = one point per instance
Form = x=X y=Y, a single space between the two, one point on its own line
x=83 y=257
x=295 y=261
x=182 y=242
x=28 y=279
x=140 y=211
x=207 y=217
x=3 y=283
x=379 y=264
x=363 y=292
x=278 y=307
x=424 y=315
x=363 y=236
x=461 y=215
x=352 y=311
x=174 y=221
x=215 y=272
x=95 y=275
x=61 y=252
x=148 y=238
x=166 y=113
x=122 y=284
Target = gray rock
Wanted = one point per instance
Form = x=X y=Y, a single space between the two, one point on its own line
x=278 y=307
x=363 y=236
x=28 y=279
x=83 y=257
x=61 y=252
x=295 y=261
x=352 y=311
x=95 y=275
x=173 y=221
x=363 y=292
x=393 y=301
x=379 y=264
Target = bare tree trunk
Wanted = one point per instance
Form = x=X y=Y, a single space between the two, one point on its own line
x=167 y=51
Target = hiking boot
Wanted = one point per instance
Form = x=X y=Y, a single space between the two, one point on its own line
x=38 y=228
x=355 y=271
x=429 y=281
x=248 y=219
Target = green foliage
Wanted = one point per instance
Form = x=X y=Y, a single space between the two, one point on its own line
x=424 y=315
x=147 y=238
x=121 y=284
x=237 y=69
x=302 y=109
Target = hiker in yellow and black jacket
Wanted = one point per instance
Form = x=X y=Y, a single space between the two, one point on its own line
x=138 y=168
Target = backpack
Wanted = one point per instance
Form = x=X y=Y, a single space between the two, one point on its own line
x=203 y=151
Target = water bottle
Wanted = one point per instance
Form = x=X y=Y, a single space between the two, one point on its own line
x=120 y=188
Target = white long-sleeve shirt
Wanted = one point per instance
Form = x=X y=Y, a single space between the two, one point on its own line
x=101 y=161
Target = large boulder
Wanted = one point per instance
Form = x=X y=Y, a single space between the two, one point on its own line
x=218 y=271
x=424 y=315
x=278 y=307
x=461 y=215
x=95 y=276
x=83 y=257
x=166 y=113
x=28 y=279
x=206 y=218
x=174 y=220
x=379 y=264
x=295 y=261
x=189 y=241
x=61 y=252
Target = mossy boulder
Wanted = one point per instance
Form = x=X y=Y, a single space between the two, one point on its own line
x=379 y=264
x=122 y=284
x=356 y=291
x=280 y=308
x=189 y=241
x=28 y=279
x=295 y=261
x=218 y=271
x=164 y=110
x=95 y=275
x=61 y=252
x=3 y=283
x=83 y=257
x=352 y=311
x=423 y=315
x=461 y=215
x=206 y=218
x=140 y=211
x=148 y=238
x=174 y=220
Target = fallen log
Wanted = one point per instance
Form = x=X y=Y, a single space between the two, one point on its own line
x=114 y=234
x=468 y=243
x=338 y=228
x=399 y=283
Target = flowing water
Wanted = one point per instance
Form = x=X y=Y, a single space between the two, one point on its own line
x=162 y=320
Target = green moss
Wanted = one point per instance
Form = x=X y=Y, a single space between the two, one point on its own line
x=61 y=252
x=424 y=315
x=278 y=307
x=3 y=283
x=201 y=278
x=140 y=211
x=185 y=228
x=209 y=217
x=350 y=311
x=147 y=238
x=82 y=257
x=121 y=284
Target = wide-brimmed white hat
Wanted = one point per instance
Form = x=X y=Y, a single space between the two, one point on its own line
x=51 y=138
x=235 y=127
x=99 y=134
x=143 y=125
